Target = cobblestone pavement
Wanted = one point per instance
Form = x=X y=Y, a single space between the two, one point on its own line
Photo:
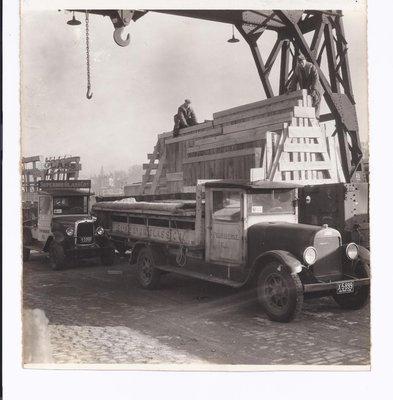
x=100 y=315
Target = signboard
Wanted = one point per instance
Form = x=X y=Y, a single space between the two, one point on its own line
x=66 y=184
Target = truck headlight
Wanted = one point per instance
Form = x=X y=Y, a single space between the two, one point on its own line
x=352 y=251
x=310 y=255
x=69 y=231
x=100 y=231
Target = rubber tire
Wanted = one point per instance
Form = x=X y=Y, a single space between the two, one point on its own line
x=26 y=254
x=108 y=256
x=56 y=256
x=146 y=265
x=293 y=285
x=361 y=296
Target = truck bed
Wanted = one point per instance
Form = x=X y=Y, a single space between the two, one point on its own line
x=178 y=207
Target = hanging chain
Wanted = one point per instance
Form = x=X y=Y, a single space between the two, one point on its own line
x=89 y=95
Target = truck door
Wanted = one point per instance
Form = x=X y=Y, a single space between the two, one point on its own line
x=224 y=228
x=44 y=217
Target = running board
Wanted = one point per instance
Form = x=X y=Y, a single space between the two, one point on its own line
x=198 y=275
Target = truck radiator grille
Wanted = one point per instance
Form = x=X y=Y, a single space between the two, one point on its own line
x=329 y=256
x=84 y=233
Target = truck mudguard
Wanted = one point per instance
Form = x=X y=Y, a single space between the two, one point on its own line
x=287 y=258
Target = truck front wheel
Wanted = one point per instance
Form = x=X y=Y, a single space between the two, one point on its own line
x=280 y=293
x=56 y=256
x=361 y=295
x=148 y=274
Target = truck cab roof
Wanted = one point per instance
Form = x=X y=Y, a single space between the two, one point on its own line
x=65 y=192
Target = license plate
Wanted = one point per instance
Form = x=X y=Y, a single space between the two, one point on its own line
x=86 y=239
x=345 y=287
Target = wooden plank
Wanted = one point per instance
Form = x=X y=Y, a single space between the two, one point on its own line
x=304 y=132
x=268 y=159
x=303 y=147
x=279 y=150
x=304 y=112
x=157 y=176
x=271 y=110
x=257 y=156
x=333 y=159
x=151 y=156
x=174 y=176
x=188 y=189
x=272 y=123
x=258 y=104
x=341 y=177
x=219 y=156
x=298 y=166
x=315 y=181
x=30 y=159
x=207 y=132
x=228 y=140
x=151 y=166
x=189 y=129
x=301 y=153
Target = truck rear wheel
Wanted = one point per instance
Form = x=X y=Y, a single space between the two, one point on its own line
x=148 y=274
x=56 y=256
x=359 y=298
x=280 y=293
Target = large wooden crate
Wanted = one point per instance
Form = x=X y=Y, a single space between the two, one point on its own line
x=269 y=138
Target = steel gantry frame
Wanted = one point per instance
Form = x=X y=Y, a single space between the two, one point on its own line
x=325 y=47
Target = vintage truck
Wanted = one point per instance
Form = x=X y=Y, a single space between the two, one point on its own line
x=240 y=233
x=56 y=220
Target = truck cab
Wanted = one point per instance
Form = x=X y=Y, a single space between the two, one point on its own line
x=241 y=233
x=56 y=220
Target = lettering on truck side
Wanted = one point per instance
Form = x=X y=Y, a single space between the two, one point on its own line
x=159 y=233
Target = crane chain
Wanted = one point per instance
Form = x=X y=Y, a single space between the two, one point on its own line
x=89 y=95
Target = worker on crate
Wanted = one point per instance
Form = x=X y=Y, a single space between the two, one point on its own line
x=185 y=117
x=306 y=75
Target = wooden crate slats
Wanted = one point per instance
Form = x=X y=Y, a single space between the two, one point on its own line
x=304 y=132
x=190 y=129
x=174 y=176
x=265 y=112
x=258 y=104
x=286 y=166
x=218 y=156
x=182 y=138
x=227 y=140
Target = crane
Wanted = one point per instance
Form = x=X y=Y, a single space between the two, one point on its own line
x=291 y=27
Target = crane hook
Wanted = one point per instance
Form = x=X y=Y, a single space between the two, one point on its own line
x=118 y=39
x=89 y=94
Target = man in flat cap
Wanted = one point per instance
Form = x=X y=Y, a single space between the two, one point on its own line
x=185 y=117
x=306 y=76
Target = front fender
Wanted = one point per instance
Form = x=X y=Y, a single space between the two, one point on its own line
x=364 y=254
x=287 y=258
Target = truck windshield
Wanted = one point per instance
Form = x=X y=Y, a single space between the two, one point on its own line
x=279 y=201
x=70 y=205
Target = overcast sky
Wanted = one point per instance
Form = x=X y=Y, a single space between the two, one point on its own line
x=137 y=89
